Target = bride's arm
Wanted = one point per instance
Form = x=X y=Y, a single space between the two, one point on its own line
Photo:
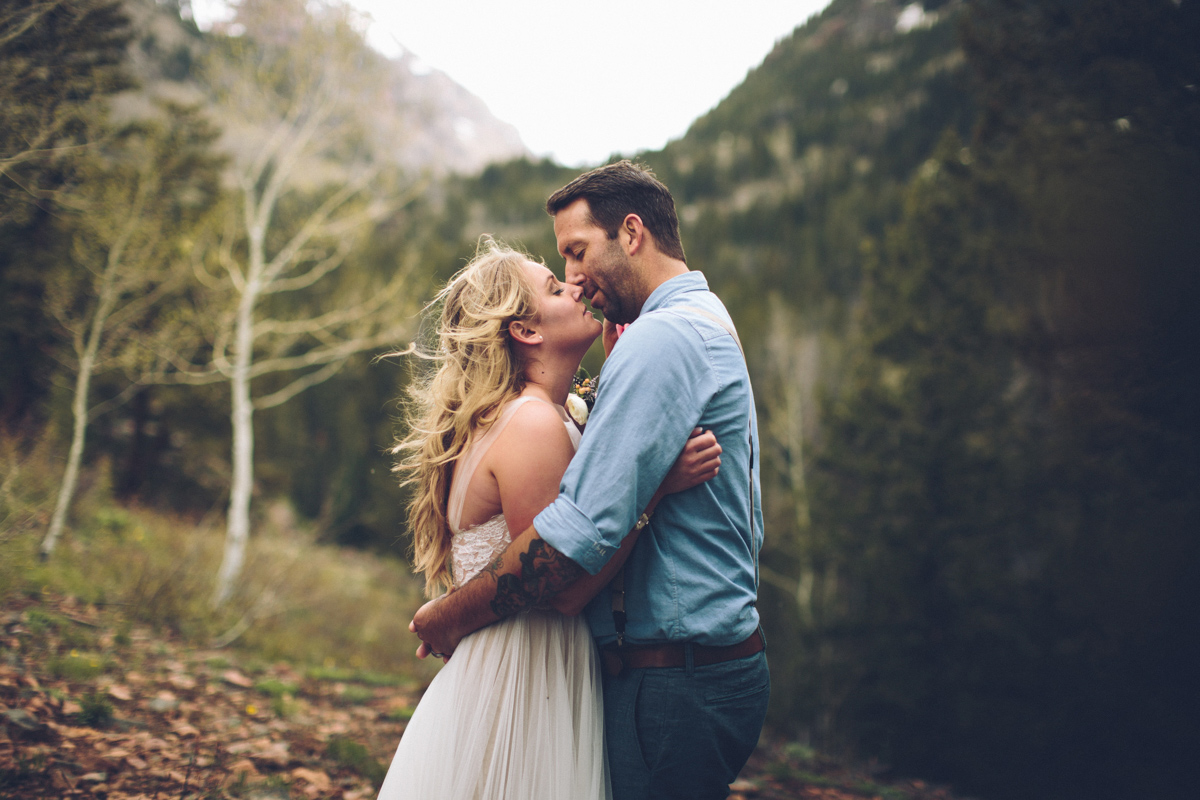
x=699 y=462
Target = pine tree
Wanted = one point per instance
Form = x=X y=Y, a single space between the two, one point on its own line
x=1010 y=476
x=56 y=56
x=58 y=60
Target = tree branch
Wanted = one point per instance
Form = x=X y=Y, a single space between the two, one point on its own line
x=100 y=409
x=312 y=225
x=778 y=580
x=35 y=14
x=325 y=355
x=285 y=161
x=318 y=271
x=36 y=153
x=225 y=259
x=337 y=317
x=299 y=385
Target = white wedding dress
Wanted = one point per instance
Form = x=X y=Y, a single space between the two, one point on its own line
x=517 y=712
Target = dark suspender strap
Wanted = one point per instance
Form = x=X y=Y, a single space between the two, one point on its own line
x=617 y=587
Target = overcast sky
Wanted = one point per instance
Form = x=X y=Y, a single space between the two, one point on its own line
x=583 y=80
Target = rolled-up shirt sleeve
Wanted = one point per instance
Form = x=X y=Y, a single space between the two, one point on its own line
x=653 y=389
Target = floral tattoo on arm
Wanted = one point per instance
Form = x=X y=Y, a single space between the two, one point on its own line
x=544 y=573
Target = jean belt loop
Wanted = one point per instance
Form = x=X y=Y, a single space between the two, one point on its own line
x=689 y=658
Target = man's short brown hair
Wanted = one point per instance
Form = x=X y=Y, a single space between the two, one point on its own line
x=617 y=190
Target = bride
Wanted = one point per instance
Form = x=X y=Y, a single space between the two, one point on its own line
x=517 y=712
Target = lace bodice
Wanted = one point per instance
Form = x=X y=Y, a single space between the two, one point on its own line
x=475 y=548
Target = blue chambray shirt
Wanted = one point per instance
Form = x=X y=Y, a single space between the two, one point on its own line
x=691 y=576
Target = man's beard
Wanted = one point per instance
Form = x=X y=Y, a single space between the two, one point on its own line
x=622 y=292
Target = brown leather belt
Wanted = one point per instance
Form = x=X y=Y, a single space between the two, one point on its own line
x=616 y=659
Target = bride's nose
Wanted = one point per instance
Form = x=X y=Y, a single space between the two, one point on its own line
x=576 y=292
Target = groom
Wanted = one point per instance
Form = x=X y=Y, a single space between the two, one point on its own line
x=686 y=683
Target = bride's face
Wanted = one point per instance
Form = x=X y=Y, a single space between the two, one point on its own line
x=563 y=319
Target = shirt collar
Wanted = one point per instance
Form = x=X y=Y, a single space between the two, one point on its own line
x=668 y=291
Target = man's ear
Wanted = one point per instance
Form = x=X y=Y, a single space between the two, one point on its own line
x=632 y=233
x=524 y=333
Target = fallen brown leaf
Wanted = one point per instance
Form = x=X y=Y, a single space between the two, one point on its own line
x=182 y=682
x=115 y=756
x=274 y=753
x=236 y=678
x=314 y=777
x=185 y=730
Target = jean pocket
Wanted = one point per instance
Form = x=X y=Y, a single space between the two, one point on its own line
x=737 y=681
x=651 y=708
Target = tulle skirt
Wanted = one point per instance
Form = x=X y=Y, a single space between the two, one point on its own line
x=516 y=714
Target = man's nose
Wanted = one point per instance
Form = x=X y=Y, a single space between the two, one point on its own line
x=573 y=274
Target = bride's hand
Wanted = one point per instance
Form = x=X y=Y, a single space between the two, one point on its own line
x=699 y=462
x=425 y=625
x=608 y=337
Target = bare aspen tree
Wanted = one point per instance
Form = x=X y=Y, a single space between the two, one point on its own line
x=308 y=190
x=791 y=366
x=136 y=199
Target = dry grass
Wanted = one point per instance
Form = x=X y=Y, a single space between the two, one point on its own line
x=297 y=600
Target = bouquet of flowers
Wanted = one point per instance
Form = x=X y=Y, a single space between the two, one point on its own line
x=582 y=396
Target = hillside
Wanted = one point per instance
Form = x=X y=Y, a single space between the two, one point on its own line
x=783 y=181
x=423 y=120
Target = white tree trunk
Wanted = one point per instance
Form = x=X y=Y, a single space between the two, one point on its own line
x=793 y=358
x=315 y=249
x=237 y=532
x=83 y=382
x=66 y=491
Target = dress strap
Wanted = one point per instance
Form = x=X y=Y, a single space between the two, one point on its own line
x=468 y=462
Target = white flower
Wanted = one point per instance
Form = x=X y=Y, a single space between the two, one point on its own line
x=577 y=408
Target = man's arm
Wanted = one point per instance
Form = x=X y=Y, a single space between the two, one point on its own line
x=699 y=462
x=528 y=573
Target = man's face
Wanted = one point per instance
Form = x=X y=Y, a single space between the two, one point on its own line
x=597 y=264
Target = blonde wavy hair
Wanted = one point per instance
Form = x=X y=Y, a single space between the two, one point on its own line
x=476 y=370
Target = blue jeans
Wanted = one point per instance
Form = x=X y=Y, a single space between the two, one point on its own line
x=686 y=733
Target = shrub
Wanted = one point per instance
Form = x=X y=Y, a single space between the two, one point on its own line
x=76 y=666
x=351 y=754
x=275 y=687
x=352 y=695
x=97 y=711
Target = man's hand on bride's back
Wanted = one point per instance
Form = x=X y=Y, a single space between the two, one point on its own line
x=699 y=462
